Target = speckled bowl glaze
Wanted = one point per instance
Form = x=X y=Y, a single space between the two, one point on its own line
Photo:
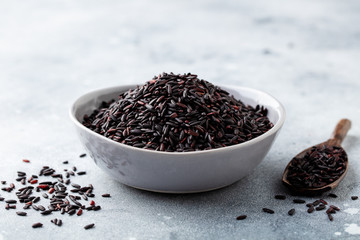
x=176 y=172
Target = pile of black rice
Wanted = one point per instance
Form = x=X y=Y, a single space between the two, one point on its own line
x=174 y=112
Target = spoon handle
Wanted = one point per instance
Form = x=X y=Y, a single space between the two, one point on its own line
x=340 y=132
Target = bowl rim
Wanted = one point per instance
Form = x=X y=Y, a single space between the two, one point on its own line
x=274 y=129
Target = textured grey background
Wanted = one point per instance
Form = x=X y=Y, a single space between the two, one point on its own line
x=305 y=53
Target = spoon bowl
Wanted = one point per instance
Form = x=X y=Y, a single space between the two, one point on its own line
x=335 y=140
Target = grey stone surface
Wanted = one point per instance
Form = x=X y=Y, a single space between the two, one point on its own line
x=305 y=53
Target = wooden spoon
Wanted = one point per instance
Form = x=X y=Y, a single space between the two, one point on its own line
x=336 y=138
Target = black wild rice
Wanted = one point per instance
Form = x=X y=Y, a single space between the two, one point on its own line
x=335 y=207
x=319 y=166
x=54 y=221
x=46 y=212
x=79 y=212
x=57 y=222
x=41 y=207
x=96 y=208
x=298 y=201
x=267 y=210
x=291 y=212
x=321 y=207
x=280 y=197
x=20 y=173
x=178 y=113
x=354 y=197
x=21 y=213
x=241 y=217
x=35 y=207
x=75 y=185
x=323 y=201
x=89 y=226
x=330 y=210
x=59 y=198
x=311 y=209
x=72 y=212
x=37 y=225
x=333 y=195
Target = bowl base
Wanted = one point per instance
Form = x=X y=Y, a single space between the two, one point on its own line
x=180 y=192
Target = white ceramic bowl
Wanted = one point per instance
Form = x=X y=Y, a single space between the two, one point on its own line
x=176 y=172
